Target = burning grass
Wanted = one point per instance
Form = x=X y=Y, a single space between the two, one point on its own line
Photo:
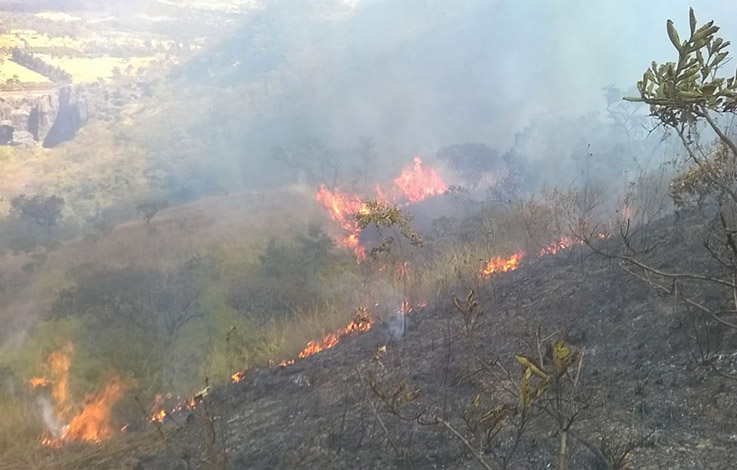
x=500 y=264
x=414 y=184
x=308 y=325
x=94 y=420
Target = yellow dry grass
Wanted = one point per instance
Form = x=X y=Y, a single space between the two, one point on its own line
x=87 y=69
x=10 y=69
x=33 y=38
x=57 y=16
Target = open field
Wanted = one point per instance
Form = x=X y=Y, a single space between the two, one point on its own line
x=11 y=70
x=88 y=69
x=33 y=38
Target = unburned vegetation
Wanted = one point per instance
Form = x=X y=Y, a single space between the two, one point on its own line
x=461 y=308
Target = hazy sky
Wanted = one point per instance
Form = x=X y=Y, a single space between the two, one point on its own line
x=557 y=55
x=478 y=70
x=419 y=75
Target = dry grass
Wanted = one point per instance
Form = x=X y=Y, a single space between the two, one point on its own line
x=33 y=38
x=90 y=69
x=57 y=16
x=20 y=427
x=10 y=69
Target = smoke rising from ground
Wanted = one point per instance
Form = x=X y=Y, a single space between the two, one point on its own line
x=310 y=78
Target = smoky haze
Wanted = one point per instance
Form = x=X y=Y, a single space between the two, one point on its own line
x=209 y=207
x=416 y=77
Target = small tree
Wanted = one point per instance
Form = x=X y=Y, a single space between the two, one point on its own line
x=687 y=96
x=44 y=211
x=149 y=209
x=682 y=93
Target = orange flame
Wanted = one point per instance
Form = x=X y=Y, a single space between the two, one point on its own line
x=406 y=308
x=418 y=183
x=343 y=208
x=561 y=244
x=414 y=184
x=498 y=264
x=237 y=376
x=316 y=346
x=56 y=374
x=361 y=322
x=158 y=416
x=92 y=424
x=38 y=382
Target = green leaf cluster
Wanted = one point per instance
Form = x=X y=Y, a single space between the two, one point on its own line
x=388 y=215
x=679 y=92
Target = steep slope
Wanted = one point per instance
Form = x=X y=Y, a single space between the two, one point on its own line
x=638 y=377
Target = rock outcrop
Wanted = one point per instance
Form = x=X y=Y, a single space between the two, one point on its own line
x=48 y=118
x=71 y=114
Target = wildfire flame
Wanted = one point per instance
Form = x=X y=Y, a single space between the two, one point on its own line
x=182 y=404
x=361 y=322
x=316 y=346
x=343 y=208
x=561 y=244
x=158 y=416
x=56 y=374
x=38 y=382
x=499 y=264
x=93 y=422
x=418 y=183
x=414 y=184
x=237 y=376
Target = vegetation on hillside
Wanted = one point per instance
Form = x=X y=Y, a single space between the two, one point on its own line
x=164 y=247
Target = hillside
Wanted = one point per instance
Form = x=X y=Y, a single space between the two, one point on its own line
x=365 y=234
x=638 y=379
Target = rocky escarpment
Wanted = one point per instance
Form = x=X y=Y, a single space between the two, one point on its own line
x=47 y=118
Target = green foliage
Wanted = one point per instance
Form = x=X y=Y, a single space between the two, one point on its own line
x=45 y=211
x=289 y=274
x=156 y=303
x=388 y=215
x=149 y=209
x=679 y=92
x=36 y=64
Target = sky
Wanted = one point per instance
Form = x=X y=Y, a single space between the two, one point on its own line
x=471 y=70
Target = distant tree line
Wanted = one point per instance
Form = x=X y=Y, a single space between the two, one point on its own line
x=32 y=62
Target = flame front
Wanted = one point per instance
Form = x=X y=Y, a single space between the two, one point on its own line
x=361 y=322
x=38 y=382
x=419 y=183
x=92 y=424
x=343 y=209
x=56 y=374
x=561 y=244
x=414 y=184
x=237 y=376
x=498 y=264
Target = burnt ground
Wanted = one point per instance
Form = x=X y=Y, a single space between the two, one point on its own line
x=640 y=375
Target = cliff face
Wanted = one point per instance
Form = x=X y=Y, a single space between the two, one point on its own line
x=71 y=114
x=47 y=119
